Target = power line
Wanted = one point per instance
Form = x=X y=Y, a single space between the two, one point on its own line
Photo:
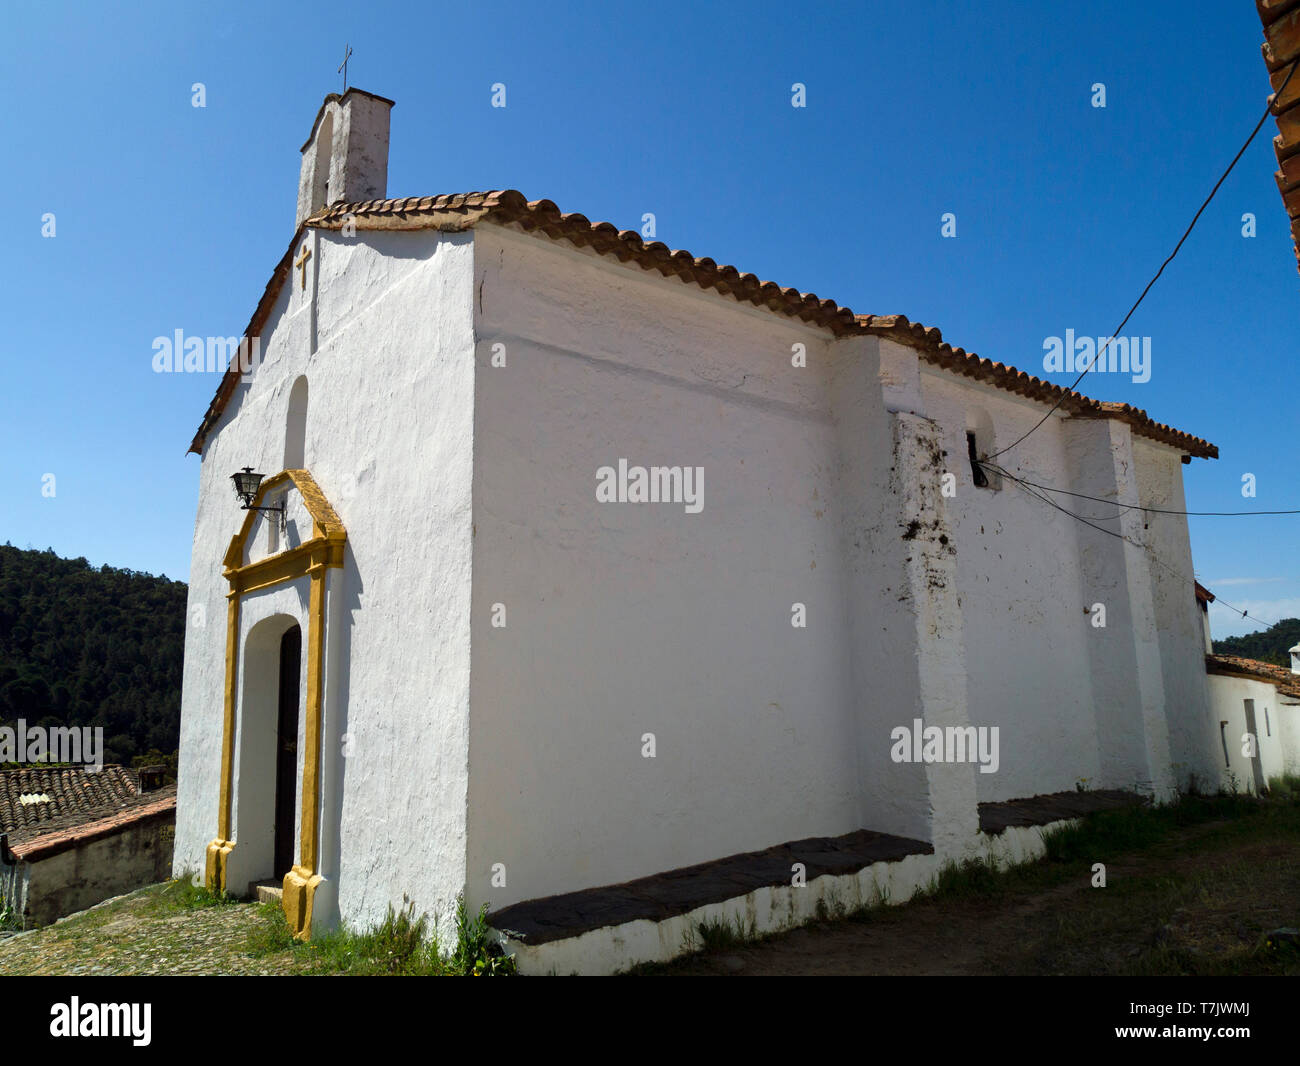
x=1149 y=510
x=1032 y=490
x=1144 y=547
x=1268 y=110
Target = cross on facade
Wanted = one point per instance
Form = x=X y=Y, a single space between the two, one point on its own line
x=343 y=67
x=301 y=264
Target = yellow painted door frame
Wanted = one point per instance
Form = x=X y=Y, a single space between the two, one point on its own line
x=312 y=559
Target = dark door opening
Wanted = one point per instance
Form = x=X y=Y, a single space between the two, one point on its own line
x=286 y=750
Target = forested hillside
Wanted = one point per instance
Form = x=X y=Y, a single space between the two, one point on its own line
x=99 y=647
x=1269 y=645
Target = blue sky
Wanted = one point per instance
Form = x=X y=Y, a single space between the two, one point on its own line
x=172 y=217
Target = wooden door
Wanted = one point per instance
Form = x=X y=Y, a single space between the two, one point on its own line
x=286 y=753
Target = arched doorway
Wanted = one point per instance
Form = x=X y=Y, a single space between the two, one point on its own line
x=269 y=753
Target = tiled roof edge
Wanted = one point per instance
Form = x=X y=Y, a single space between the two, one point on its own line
x=1236 y=666
x=49 y=844
x=929 y=343
x=462 y=211
x=1281 y=49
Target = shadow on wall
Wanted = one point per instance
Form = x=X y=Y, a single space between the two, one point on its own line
x=337 y=743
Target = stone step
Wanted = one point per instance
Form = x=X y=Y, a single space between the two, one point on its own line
x=269 y=891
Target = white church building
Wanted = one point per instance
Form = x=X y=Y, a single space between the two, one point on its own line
x=613 y=587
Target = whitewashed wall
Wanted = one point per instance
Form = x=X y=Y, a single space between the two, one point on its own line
x=1180 y=627
x=1030 y=576
x=1288 y=729
x=1023 y=595
x=628 y=619
x=389 y=360
x=902 y=631
x=1276 y=732
x=631 y=619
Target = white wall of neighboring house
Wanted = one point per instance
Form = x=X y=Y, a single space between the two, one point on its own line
x=1277 y=729
x=1287 y=726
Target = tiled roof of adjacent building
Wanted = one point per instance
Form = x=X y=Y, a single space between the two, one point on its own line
x=1234 y=666
x=1281 y=19
x=463 y=211
x=153 y=805
x=36 y=800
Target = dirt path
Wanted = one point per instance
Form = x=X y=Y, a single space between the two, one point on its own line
x=1198 y=901
x=1187 y=903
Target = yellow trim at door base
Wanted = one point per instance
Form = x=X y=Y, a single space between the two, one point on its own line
x=312 y=558
x=215 y=874
x=299 y=897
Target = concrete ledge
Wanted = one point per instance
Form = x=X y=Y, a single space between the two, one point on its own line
x=656 y=919
x=769 y=909
x=677 y=892
x=1052 y=807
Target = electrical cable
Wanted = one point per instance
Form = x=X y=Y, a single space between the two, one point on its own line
x=1032 y=490
x=1268 y=110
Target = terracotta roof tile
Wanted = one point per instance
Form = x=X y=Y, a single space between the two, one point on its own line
x=63 y=798
x=160 y=804
x=1234 y=666
x=508 y=207
x=932 y=348
x=1281 y=48
x=71 y=790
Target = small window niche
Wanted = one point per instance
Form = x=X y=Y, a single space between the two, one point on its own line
x=295 y=427
x=979 y=443
x=977 y=475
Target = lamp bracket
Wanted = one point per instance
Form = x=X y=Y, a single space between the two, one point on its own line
x=280 y=510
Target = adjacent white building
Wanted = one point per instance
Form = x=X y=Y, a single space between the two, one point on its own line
x=601 y=560
x=1256 y=706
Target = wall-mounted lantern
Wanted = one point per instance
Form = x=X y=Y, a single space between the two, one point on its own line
x=246 y=486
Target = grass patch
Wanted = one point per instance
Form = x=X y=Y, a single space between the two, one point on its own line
x=402 y=945
x=1285 y=786
x=972 y=878
x=1135 y=828
x=475 y=954
x=271 y=934
x=722 y=935
x=183 y=894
